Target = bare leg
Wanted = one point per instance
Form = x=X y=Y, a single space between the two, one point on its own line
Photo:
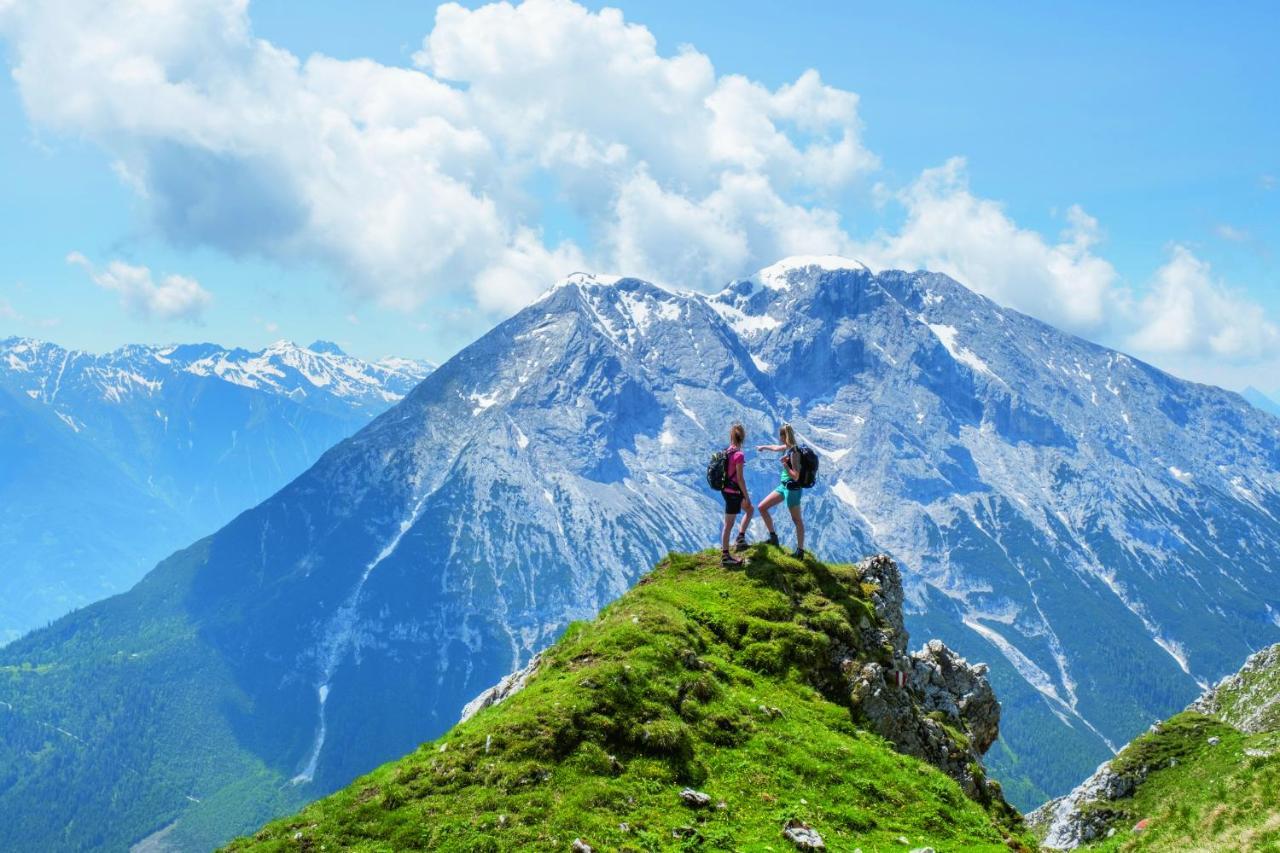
x=724 y=531
x=764 y=506
x=746 y=521
x=799 y=522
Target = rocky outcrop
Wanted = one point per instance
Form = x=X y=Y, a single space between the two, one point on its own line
x=1249 y=699
x=1076 y=819
x=944 y=711
x=508 y=686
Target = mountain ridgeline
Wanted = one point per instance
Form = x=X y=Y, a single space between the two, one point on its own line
x=707 y=708
x=109 y=463
x=1098 y=531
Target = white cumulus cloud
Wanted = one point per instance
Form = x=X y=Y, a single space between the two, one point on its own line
x=174 y=297
x=948 y=229
x=1188 y=311
x=416 y=182
x=433 y=182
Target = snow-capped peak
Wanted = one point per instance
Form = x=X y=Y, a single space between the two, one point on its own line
x=283 y=367
x=778 y=276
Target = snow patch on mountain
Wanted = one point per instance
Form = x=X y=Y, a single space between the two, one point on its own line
x=947 y=335
x=778 y=276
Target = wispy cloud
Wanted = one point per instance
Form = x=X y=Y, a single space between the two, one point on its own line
x=1231 y=233
x=174 y=297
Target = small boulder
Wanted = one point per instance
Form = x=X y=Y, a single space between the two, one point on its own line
x=1215 y=740
x=803 y=836
x=580 y=846
x=922 y=850
x=695 y=799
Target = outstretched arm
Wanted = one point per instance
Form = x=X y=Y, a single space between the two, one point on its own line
x=771 y=448
x=794 y=472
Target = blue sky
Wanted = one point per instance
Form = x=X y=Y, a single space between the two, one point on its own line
x=1159 y=123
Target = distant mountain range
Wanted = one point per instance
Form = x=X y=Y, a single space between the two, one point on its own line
x=113 y=461
x=1100 y=532
x=1265 y=402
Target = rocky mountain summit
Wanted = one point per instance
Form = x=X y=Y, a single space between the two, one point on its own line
x=706 y=707
x=1179 y=772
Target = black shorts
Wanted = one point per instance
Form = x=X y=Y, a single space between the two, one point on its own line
x=732 y=503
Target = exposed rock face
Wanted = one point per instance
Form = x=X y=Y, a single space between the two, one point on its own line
x=508 y=686
x=1069 y=823
x=1249 y=699
x=945 y=713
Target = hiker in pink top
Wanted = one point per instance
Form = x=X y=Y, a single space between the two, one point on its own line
x=735 y=495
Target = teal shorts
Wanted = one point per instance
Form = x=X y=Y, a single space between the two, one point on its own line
x=792 y=496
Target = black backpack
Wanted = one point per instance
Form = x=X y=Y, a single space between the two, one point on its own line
x=808 y=466
x=718 y=471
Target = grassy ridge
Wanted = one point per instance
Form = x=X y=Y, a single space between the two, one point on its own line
x=699 y=676
x=1204 y=796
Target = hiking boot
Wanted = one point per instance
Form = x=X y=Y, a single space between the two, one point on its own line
x=728 y=560
x=798 y=553
x=773 y=540
x=740 y=544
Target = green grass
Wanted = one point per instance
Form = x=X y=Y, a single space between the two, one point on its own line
x=717 y=679
x=1202 y=796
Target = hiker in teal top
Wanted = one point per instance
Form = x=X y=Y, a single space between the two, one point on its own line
x=788 y=488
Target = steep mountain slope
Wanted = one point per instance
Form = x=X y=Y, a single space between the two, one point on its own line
x=48 y=472
x=1060 y=510
x=194 y=433
x=1206 y=778
x=749 y=687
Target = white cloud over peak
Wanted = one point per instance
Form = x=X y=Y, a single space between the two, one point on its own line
x=972 y=239
x=1188 y=311
x=175 y=297
x=432 y=181
x=414 y=182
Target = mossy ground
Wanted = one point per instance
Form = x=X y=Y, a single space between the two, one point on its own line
x=1200 y=796
x=699 y=676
